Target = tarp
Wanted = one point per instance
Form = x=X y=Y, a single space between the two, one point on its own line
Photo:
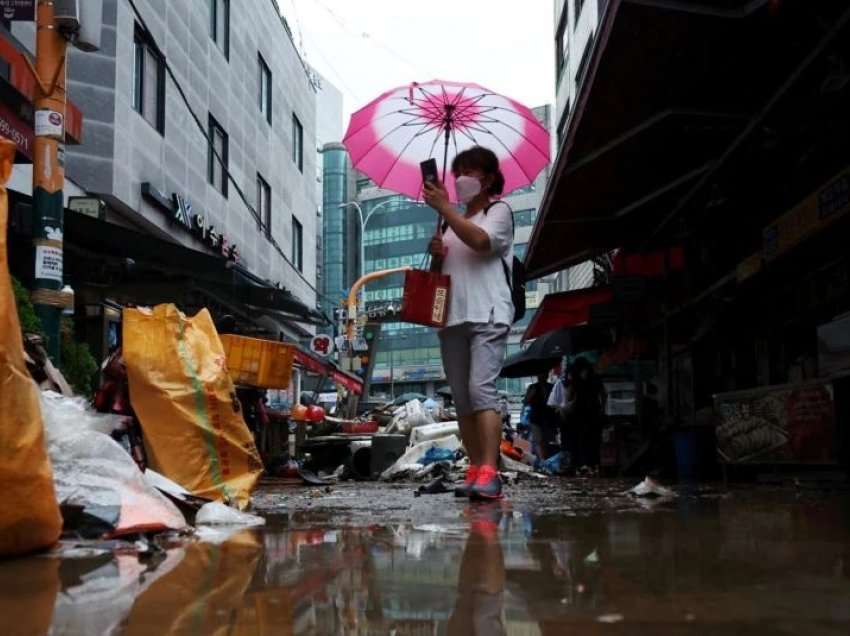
x=566 y=309
x=29 y=515
x=186 y=403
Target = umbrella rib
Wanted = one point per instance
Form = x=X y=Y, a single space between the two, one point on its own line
x=516 y=160
x=379 y=141
x=396 y=160
x=521 y=134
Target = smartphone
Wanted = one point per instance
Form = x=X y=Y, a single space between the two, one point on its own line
x=429 y=170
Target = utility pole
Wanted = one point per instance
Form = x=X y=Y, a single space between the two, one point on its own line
x=48 y=175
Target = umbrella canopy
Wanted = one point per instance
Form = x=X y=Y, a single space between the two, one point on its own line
x=388 y=138
x=546 y=352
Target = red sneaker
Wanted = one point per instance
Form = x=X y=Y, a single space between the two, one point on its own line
x=488 y=485
x=471 y=476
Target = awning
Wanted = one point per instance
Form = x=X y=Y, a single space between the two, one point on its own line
x=547 y=351
x=669 y=86
x=149 y=262
x=312 y=364
x=566 y=309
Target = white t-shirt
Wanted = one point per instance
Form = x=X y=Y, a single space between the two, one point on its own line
x=479 y=289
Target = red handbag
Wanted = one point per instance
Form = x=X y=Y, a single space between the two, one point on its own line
x=426 y=298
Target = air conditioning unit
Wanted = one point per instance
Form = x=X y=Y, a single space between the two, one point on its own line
x=81 y=21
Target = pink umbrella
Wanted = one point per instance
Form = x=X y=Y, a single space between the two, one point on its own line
x=388 y=138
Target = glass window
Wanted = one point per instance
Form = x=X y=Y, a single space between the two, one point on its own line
x=297 y=244
x=217 y=161
x=148 y=81
x=264 y=205
x=519 y=250
x=297 y=143
x=525 y=218
x=220 y=24
x=585 y=60
x=265 y=95
x=562 y=48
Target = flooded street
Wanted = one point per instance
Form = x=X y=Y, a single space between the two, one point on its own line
x=555 y=558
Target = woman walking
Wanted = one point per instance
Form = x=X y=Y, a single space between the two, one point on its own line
x=475 y=248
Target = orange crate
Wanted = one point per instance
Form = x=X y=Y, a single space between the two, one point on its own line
x=261 y=363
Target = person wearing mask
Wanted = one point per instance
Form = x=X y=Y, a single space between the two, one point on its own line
x=541 y=417
x=474 y=250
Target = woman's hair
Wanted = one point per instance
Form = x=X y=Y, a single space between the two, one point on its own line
x=483 y=159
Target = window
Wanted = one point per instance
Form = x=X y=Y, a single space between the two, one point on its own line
x=264 y=205
x=148 y=81
x=585 y=59
x=220 y=25
x=297 y=244
x=217 y=162
x=562 y=125
x=562 y=48
x=525 y=218
x=297 y=143
x=519 y=250
x=265 y=96
x=578 y=5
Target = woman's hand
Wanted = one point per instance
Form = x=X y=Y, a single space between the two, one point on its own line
x=436 y=196
x=436 y=248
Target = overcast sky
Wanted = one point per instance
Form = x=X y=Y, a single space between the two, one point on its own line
x=365 y=47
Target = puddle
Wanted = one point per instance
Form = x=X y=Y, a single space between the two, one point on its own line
x=755 y=562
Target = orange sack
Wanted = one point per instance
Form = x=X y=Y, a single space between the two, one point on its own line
x=29 y=515
x=182 y=393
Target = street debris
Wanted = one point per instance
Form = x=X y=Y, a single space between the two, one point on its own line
x=93 y=472
x=411 y=461
x=651 y=488
x=436 y=487
x=217 y=514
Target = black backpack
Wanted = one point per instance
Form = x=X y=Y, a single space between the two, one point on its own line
x=515 y=275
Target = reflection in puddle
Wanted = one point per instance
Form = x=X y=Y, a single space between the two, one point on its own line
x=486 y=570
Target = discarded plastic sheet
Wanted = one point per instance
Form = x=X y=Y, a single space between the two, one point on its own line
x=512 y=465
x=411 y=460
x=555 y=465
x=92 y=470
x=29 y=516
x=437 y=455
x=186 y=403
x=412 y=415
x=651 y=488
x=217 y=514
x=434 y=431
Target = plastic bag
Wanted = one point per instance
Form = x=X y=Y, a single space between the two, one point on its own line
x=92 y=470
x=29 y=516
x=186 y=403
x=217 y=514
x=412 y=459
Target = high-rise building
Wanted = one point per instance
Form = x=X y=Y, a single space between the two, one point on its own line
x=340 y=228
x=397 y=234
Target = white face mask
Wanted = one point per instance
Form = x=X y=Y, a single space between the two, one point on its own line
x=467 y=188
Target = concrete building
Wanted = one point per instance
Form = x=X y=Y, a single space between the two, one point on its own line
x=576 y=22
x=145 y=149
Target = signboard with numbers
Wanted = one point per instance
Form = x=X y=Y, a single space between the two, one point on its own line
x=17 y=9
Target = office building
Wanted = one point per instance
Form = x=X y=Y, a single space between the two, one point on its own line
x=200 y=121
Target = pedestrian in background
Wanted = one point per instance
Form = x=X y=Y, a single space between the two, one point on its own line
x=584 y=420
x=475 y=249
x=542 y=418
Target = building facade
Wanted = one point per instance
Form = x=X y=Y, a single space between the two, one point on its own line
x=397 y=234
x=210 y=105
x=340 y=228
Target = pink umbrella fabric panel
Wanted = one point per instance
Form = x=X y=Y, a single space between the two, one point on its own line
x=388 y=138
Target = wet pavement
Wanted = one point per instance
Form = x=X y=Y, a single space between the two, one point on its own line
x=557 y=557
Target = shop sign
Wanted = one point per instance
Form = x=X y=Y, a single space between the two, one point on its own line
x=13 y=128
x=321 y=345
x=18 y=10
x=179 y=210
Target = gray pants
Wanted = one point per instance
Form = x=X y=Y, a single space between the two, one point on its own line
x=472 y=356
